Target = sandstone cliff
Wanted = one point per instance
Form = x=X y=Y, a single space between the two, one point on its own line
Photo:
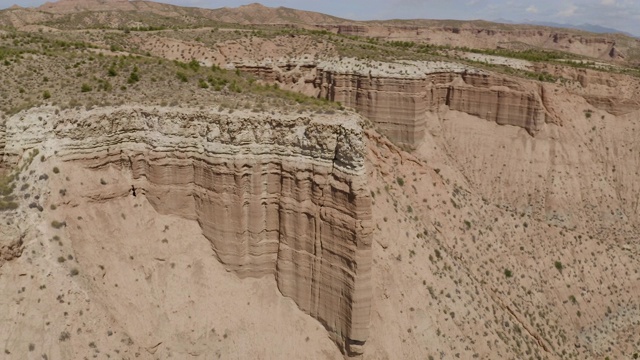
x=275 y=196
x=398 y=97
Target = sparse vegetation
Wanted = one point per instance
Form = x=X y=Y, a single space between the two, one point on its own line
x=508 y=273
x=588 y=114
x=86 y=88
x=451 y=240
x=182 y=76
x=64 y=336
x=57 y=224
x=7 y=186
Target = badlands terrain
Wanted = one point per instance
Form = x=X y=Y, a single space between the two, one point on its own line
x=262 y=183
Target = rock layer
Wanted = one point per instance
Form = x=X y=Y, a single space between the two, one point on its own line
x=277 y=196
x=400 y=106
x=11 y=243
x=399 y=97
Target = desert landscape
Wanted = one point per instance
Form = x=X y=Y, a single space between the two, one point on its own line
x=272 y=183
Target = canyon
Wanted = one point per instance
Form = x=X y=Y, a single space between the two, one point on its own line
x=398 y=102
x=275 y=196
x=265 y=192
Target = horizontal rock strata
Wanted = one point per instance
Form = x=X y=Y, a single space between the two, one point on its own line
x=612 y=105
x=274 y=195
x=398 y=97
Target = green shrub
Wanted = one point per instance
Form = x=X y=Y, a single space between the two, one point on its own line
x=400 y=181
x=508 y=273
x=104 y=85
x=46 y=95
x=133 y=77
x=8 y=205
x=234 y=87
x=86 y=88
x=194 y=65
x=57 y=224
x=182 y=76
x=64 y=336
x=56 y=170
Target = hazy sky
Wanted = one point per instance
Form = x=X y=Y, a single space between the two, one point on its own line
x=620 y=14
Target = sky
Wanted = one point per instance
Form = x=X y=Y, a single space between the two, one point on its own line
x=619 y=14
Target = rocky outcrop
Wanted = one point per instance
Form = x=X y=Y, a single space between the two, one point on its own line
x=612 y=105
x=400 y=105
x=275 y=196
x=398 y=97
x=11 y=242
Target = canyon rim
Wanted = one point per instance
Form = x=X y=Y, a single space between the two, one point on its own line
x=312 y=187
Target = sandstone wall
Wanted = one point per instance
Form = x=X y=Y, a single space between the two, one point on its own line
x=399 y=106
x=399 y=98
x=281 y=196
x=612 y=105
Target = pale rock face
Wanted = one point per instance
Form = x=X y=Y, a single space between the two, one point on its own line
x=282 y=196
x=399 y=97
x=11 y=244
x=612 y=105
x=400 y=105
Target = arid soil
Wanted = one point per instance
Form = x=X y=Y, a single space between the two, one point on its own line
x=306 y=194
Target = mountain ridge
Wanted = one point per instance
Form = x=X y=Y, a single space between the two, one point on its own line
x=257 y=13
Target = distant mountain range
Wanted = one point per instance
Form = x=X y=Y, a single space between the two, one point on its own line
x=585 y=27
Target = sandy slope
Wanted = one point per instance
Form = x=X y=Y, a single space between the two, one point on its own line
x=148 y=285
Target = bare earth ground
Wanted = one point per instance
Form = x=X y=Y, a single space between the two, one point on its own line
x=121 y=279
x=474 y=200
x=148 y=285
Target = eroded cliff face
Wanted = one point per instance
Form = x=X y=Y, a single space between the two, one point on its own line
x=400 y=97
x=11 y=244
x=282 y=196
x=400 y=105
